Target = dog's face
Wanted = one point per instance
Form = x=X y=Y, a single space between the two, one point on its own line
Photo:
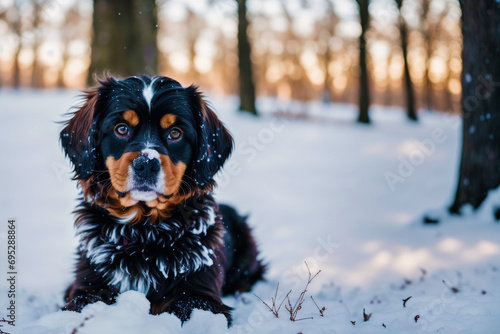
x=140 y=146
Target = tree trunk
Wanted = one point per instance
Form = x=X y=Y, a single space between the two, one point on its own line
x=64 y=63
x=427 y=35
x=17 y=28
x=410 y=97
x=16 y=75
x=388 y=86
x=124 y=40
x=427 y=80
x=37 y=80
x=364 y=92
x=480 y=162
x=191 y=38
x=331 y=22
x=327 y=89
x=247 y=86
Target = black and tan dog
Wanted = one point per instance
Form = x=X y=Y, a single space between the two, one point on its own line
x=145 y=151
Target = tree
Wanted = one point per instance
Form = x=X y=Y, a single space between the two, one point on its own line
x=191 y=36
x=124 y=40
x=247 y=86
x=16 y=26
x=364 y=92
x=36 y=22
x=433 y=34
x=72 y=30
x=327 y=31
x=410 y=98
x=295 y=76
x=427 y=35
x=480 y=162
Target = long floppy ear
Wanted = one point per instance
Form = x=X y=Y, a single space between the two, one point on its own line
x=215 y=143
x=77 y=138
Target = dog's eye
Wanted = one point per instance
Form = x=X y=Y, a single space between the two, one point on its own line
x=174 y=134
x=122 y=129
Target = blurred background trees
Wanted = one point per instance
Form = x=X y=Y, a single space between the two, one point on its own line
x=124 y=38
x=300 y=49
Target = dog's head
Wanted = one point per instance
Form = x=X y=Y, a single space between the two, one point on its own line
x=140 y=146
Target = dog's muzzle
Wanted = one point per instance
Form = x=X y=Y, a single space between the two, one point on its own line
x=146 y=169
x=146 y=179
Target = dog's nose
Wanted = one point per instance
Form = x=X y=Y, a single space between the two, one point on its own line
x=145 y=167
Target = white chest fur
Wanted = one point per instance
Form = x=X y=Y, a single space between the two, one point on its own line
x=132 y=257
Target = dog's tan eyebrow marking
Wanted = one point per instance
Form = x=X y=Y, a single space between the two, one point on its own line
x=131 y=117
x=167 y=120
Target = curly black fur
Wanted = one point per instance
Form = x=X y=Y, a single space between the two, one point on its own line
x=182 y=255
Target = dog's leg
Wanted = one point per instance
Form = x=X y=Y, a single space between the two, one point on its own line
x=199 y=290
x=183 y=308
x=88 y=288
x=80 y=301
x=243 y=267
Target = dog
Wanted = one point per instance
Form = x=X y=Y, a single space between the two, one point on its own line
x=145 y=151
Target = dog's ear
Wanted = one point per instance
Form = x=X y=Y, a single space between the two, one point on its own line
x=78 y=137
x=215 y=143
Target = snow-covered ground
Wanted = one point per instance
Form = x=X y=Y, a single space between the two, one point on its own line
x=345 y=198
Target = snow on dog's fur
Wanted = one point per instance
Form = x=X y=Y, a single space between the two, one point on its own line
x=145 y=151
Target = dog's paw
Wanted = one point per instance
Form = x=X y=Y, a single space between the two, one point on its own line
x=183 y=308
x=79 y=302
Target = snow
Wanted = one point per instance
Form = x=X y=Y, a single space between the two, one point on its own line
x=316 y=190
x=151 y=154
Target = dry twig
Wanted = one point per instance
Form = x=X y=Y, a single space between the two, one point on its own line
x=294 y=310
x=366 y=317
x=405 y=300
x=321 y=310
x=273 y=308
